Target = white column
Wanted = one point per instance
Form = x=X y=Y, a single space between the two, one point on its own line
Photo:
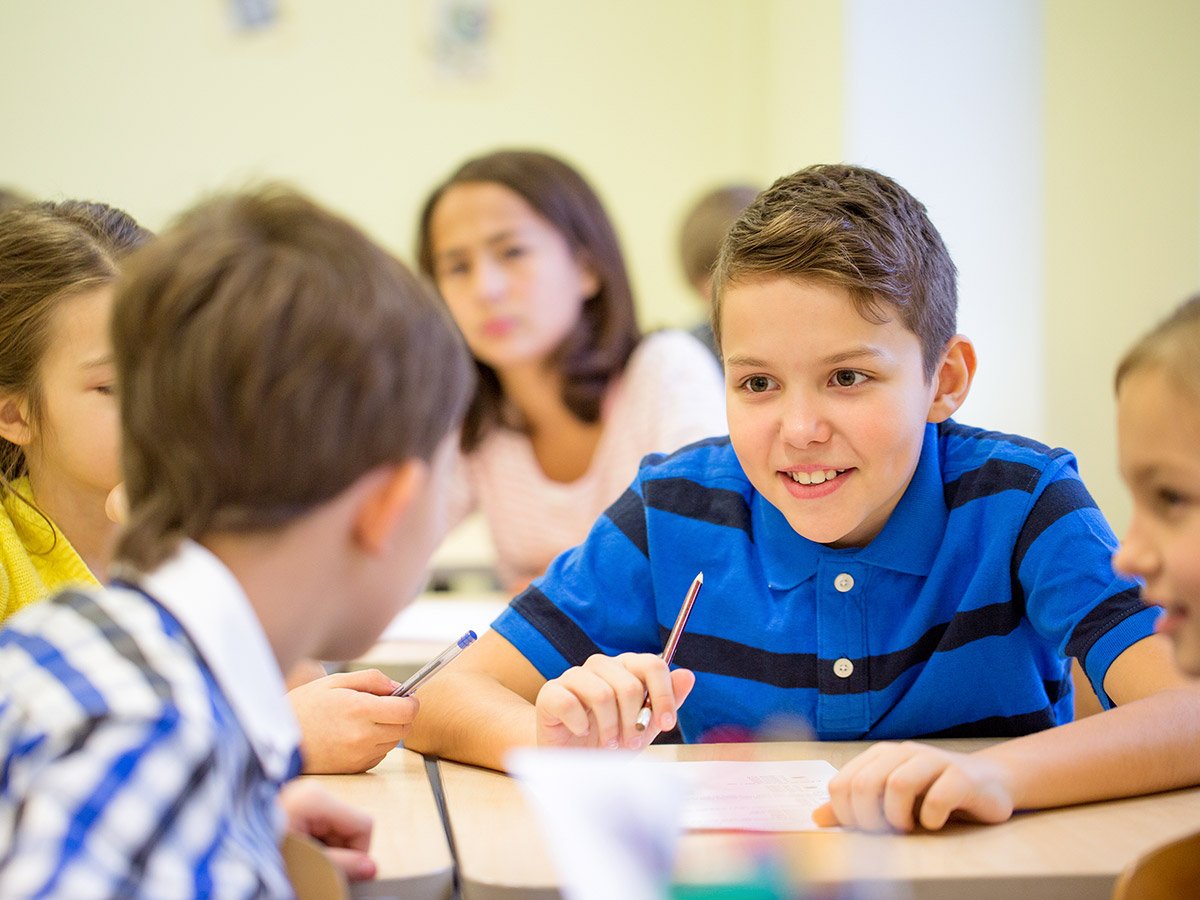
x=945 y=97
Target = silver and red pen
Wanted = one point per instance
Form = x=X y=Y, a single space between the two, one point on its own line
x=643 y=718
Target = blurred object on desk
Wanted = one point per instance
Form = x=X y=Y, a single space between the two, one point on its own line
x=422 y=631
x=465 y=560
x=442 y=617
x=611 y=820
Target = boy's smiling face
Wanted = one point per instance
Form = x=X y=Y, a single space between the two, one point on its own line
x=827 y=410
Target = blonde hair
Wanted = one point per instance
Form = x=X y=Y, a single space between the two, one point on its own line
x=1173 y=345
x=269 y=354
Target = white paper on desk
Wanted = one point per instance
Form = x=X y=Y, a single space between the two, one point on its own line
x=442 y=620
x=754 y=796
x=610 y=819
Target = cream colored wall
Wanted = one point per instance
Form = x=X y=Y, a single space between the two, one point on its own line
x=804 y=90
x=148 y=104
x=1122 y=205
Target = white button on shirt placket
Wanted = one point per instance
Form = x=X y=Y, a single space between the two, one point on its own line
x=843 y=668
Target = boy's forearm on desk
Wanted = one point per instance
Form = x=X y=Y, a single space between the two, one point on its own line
x=1145 y=746
x=471 y=718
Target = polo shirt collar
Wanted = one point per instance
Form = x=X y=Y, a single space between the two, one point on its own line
x=206 y=598
x=908 y=542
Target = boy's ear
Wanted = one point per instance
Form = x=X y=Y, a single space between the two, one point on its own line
x=952 y=378
x=388 y=498
x=14 y=419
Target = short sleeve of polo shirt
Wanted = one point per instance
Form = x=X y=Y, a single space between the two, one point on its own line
x=1063 y=563
x=603 y=596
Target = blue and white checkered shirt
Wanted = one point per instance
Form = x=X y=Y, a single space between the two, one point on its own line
x=145 y=734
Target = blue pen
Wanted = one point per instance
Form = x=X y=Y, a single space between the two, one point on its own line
x=435 y=665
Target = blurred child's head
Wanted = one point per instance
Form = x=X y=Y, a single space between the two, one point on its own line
x=10 y=198
x=1158 y=438
x=58 y=418
x=528 y=263
x=704 y=227
x=270 y=356
x=834 y=307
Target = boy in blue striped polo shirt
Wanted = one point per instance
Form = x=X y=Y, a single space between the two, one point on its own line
x=283 y=455
x=871 y=567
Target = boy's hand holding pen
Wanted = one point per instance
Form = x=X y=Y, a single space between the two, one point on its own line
x=617 y=702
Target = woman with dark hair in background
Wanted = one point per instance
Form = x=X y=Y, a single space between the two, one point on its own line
x=570 y=395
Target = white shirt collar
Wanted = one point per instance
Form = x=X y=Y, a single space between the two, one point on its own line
x=206 y=598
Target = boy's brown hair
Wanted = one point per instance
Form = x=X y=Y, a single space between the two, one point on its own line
x=595 y=351
x=1173 y=345
x=854 y=228
x=269 y=354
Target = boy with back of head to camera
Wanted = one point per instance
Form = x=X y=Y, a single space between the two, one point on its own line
x=870 y=566
x=283 y=453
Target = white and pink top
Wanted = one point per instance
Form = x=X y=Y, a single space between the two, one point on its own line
x=671 y=394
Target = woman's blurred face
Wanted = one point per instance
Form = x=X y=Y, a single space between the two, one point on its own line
x=508 y=276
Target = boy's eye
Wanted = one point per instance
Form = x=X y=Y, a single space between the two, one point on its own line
x=848 y=378
x=1168 y=498
x=512 y=252
x=107 y=390
x=757 y=384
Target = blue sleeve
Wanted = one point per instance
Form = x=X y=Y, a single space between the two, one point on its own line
x=1063 y=564
x=594 y=598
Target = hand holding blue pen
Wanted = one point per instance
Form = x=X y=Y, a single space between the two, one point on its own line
x=435 y=665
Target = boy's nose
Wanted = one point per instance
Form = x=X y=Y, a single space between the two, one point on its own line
x=804 y=423
x=1135 y=555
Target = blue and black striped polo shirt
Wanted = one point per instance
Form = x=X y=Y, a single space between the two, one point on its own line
x=958 y=620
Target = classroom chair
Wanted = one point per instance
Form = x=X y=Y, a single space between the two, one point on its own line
x=312 y=874
x=1169 y=872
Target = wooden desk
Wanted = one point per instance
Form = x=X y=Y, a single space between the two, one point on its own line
x=408 y=842
x=1064 y=854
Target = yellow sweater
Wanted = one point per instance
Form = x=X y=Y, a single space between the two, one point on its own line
x=35 y=558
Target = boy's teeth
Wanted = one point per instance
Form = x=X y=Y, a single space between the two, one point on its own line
x=818 y=477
